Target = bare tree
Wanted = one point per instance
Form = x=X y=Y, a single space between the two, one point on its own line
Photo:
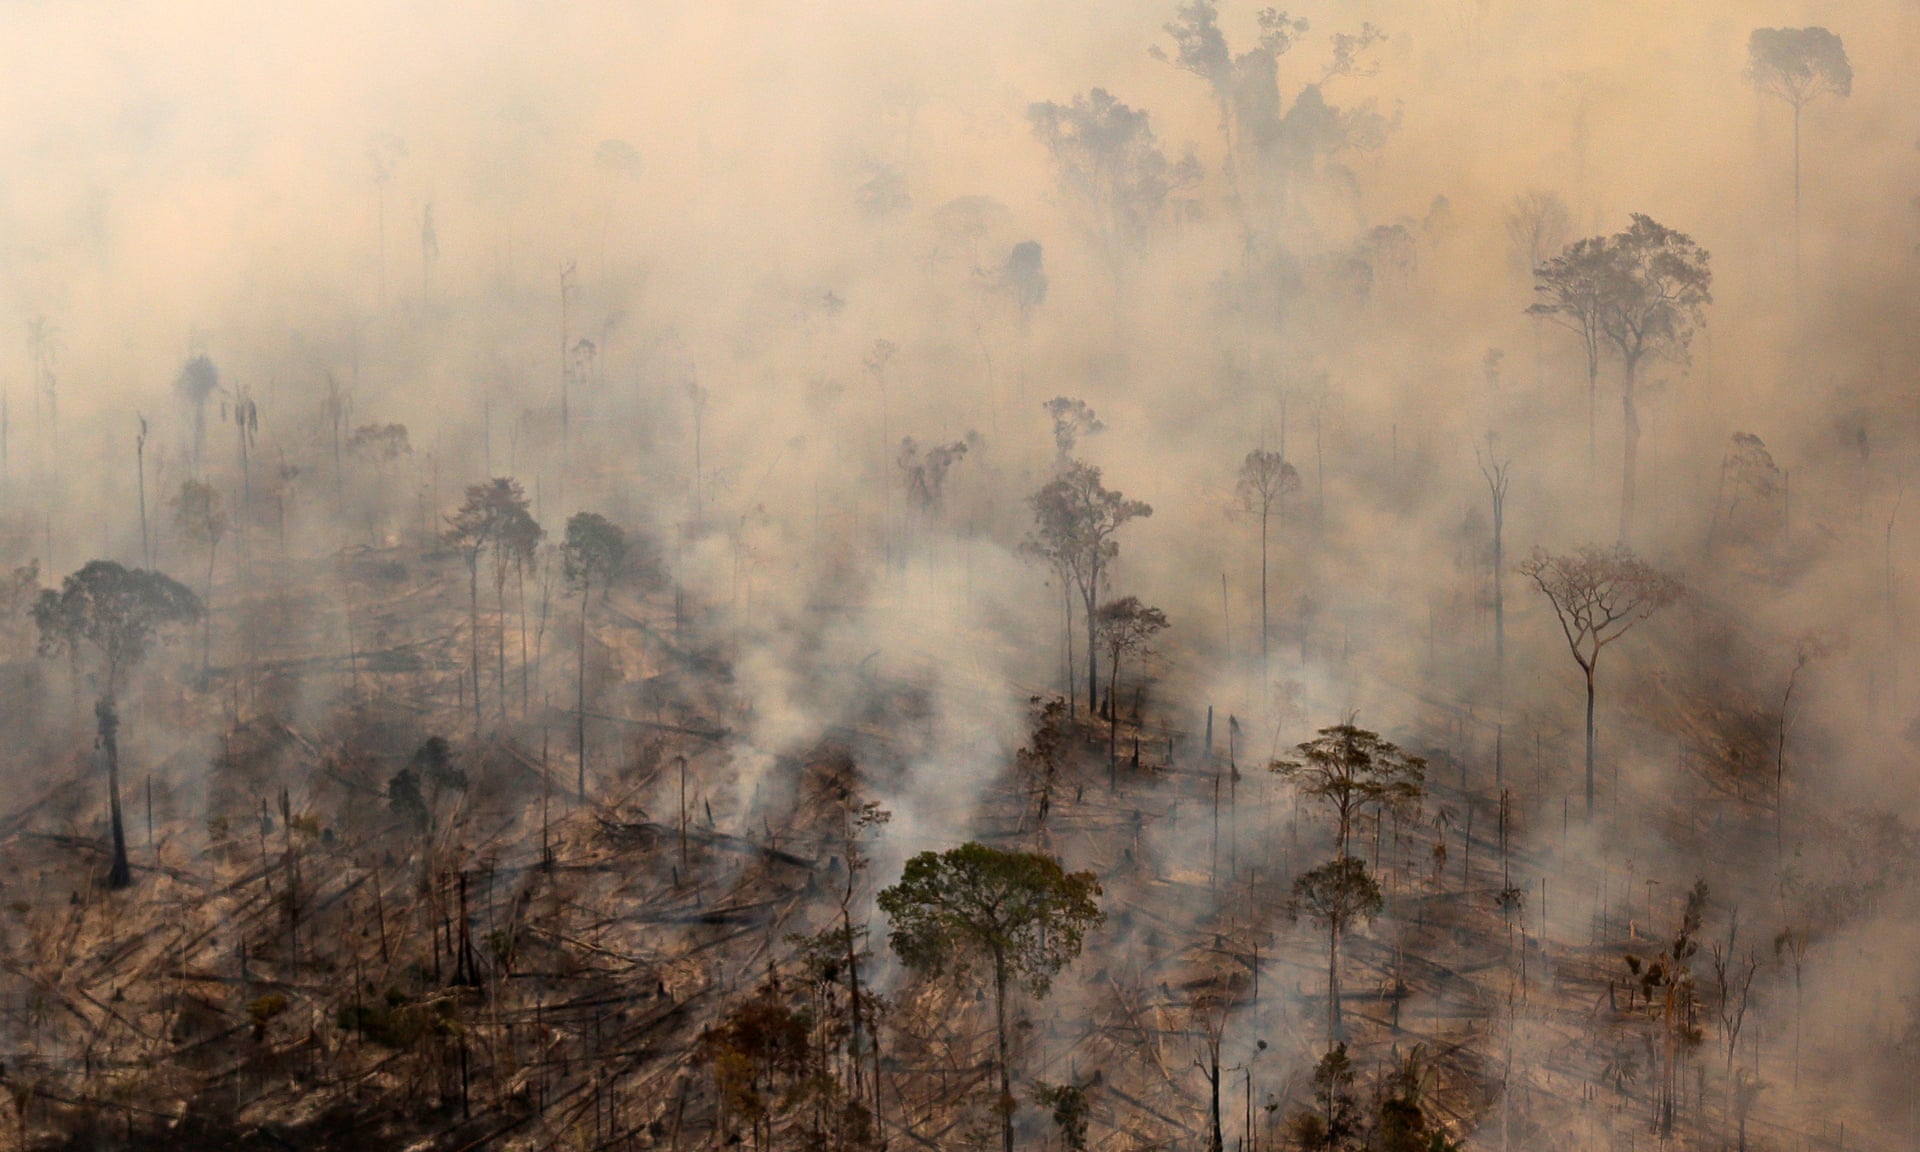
x=1599 y=594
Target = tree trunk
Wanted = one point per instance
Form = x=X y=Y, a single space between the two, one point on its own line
x=1593 y=409
x=1630 y=446
x=121 y=874
x=580 y=689
x=1589 y=672
x=1113 y=725
x=473 y=631
x=1265 y=666
x=1333 y=985
x=206 y=631
x=1215 y=1140
x=1005 y=1104
x=1091 y=594
x=500 y=638
x=1796 y=195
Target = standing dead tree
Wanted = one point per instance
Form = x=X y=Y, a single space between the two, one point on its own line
x=1598 y=594
x=1495 y=470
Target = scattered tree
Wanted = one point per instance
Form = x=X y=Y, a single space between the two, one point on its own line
x=1334 y=895
x=1598 y=594
x=1125 y=627
x=1657 y=287
x=1352 y=769
x=1075 y=520
x=1265 y=480
x=198 y=514
x=1798 y=66
x=119 y=612
x=594 y=547
x=1019 y=912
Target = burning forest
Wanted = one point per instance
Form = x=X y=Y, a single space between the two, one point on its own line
x=851 y=576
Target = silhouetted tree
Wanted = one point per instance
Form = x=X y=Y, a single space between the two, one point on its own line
x=196 y=384
x=200 y=517
x=595 y=547
x=1265 y=480
x=1598 y=595
x=1125 y=627
x=1352 y=769
x=1108 y=161
x=1075 y=520
x=118 y=612
x=1798 y=66
x=1571 y=290
x=1334 y=895
x=493 y=516
x=1024 y=276
x=1657 y=287
x=1018 y=912
x=1073 y=419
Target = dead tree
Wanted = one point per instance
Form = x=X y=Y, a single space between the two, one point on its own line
x=1598 y=595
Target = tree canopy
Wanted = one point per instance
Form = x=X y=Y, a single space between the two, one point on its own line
x=952 y=909
x=116 y=609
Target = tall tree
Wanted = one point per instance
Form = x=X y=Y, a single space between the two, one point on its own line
x=118 y=612
x=1265 y=480
x=1075 y=520
x=201 y=518
x=1657 y=287
x=1599 y=594
x=1571 y=292
x=595 y=548
x=1018 y=912
x=1126 y=627
x=1109 y=163
x=1538 y=225
x=493 y=516
x=1335 y=895
x=1351 y=769
x=1798 y=66
x=1494 y=470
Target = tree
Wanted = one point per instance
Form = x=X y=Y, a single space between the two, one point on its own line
x=197 y=512
x=1024 y=276
x=1123 y=626
x=594 y=547
x=1265 y=480
x=1657 y=285
x=494 y=515
x=1538 y=223
x=924 y=470
x=1072 y=418
x=1598 y=594
x=1798 y=66
x=1494 y=469
x=1018 y=912
x=1571 y=291
x=1108 y=161
x=196 y=384
x=1337 y=1124
x=380 y=445
x=1351 y=769
x=119 y=612
x=1075 y=520
x=1334 y=895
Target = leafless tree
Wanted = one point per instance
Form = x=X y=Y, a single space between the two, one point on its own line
x=1265 y=480
x=1599 y=594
